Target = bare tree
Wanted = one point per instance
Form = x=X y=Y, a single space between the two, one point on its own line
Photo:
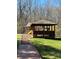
x=32 y=10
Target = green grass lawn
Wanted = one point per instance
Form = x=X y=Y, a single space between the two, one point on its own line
x=19 y=36
x=49 y=49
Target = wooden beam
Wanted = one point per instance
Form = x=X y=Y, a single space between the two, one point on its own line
x=54 y=27
x=51 y=28
x=43 y=30
x=54 y=30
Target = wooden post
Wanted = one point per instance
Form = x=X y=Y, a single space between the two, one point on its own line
x=51 y=28
x=43 y=31
x=54 y=31
x=54 y=27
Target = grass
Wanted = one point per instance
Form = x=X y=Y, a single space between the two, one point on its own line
x=18 y=39
x=48 y=49
x=19 y=36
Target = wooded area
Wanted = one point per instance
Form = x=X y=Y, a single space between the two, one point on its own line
x=33 y=10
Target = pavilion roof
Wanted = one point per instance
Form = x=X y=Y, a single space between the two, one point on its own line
x=40 y=22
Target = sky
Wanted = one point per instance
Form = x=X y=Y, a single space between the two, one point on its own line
x=55 y=3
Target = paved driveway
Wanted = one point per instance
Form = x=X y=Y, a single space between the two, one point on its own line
x=27 y=51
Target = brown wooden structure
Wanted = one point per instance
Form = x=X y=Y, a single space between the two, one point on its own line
x=43 y=28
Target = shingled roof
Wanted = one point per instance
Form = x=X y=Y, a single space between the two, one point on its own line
x=40 y=22
x=43 y=22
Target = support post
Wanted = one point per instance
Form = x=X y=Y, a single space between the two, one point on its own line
x=54 y=31
x=51 y=28
x=43 y=31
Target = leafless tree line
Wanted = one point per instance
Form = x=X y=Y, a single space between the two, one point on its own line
x=32 y=10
